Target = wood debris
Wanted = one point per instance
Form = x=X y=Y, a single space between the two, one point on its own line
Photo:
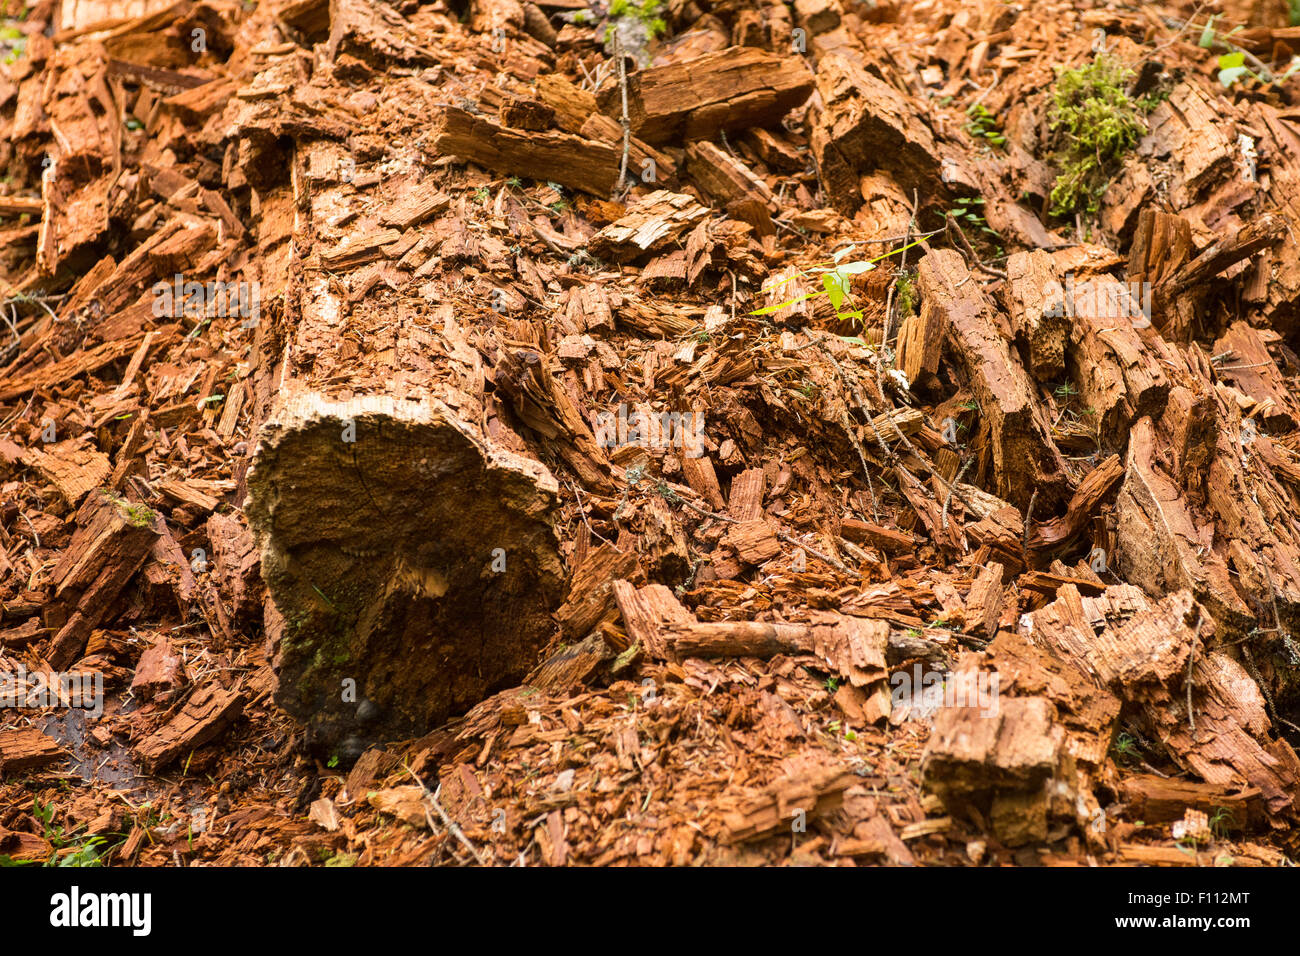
x=714 y=448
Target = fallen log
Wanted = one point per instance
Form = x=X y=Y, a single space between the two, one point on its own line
x=412 y=558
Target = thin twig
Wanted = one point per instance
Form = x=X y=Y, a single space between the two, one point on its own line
x=968 y=251
x=583 y=511
x=452 y=826
x=627 y=123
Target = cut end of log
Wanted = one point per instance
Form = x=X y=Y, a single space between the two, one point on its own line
x=416 y=567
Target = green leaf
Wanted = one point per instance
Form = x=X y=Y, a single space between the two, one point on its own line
x=1229 y=60
x=834 y=284
x=1207 y=35
x=1232 y=75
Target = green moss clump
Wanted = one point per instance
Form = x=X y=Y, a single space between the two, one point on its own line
x=137 y=516
x=907 y=296
x=647 y=12
x=1096 y=123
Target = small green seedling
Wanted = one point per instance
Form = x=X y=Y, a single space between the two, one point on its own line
x=982 y=125
x=836 y=283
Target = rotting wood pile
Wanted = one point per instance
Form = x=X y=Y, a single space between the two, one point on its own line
x=499 y=432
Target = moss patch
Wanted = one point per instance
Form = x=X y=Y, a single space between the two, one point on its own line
x=1096 y=123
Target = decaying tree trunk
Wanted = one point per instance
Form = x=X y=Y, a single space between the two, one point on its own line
x=412 y=559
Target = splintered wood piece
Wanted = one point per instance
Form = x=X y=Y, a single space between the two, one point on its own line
x=570 y=665
x=1158 y=539
x=1141 y=652
x=356 y=250
x=853 y=647
x=887 y=540
x=1025 y=458
x=572 y=104
x=997 y=763
x=373 y=33
x=159 y=670
x=646 y=614
x=753 y=541
x=112 y=540
x=569 y=160
x=723 y=178
x=984 y=601
x=773 y=149
x=645 y=163
x=591 y=591
x=1163 y=800
x=735 y=639
x=205 y=716
x=236 y=564
x=866 y=124
x=525 y=378
x=526 y=114
x=26 y=748
x=1047 y=583
x=703 y=479
x=1018 y=748
x=22 y=635
x=1227 y=251
x=1088 y=712
x=78 y=363
x=746 y=503
x=1249 y=368
x=1119 y=372
x=786 y=802
x=1036 y=306
x=1254 y=514
x=856 y=648
x=71 y=467
x=414 y=206
x=1162 y=243
x=1094 y=488
x=730 y=89
x=648 y=225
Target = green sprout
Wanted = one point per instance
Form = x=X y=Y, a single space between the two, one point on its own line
x=982 y=125
x=836 y=281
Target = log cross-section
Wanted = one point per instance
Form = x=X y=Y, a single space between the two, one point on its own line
x=414 y=561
